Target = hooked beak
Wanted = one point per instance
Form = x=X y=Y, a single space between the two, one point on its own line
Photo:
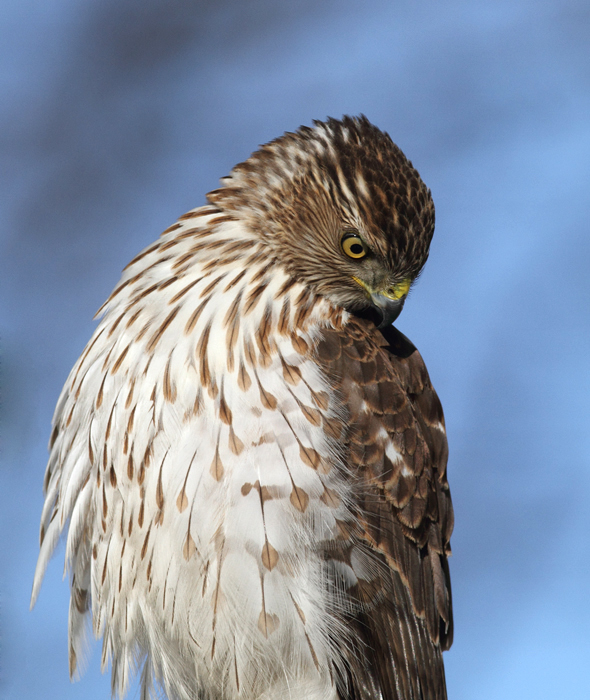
x=389 y=302
x=389 y=308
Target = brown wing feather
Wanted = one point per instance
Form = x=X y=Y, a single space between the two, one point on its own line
x=401 y=615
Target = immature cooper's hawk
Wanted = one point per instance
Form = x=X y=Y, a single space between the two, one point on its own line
x=250 y=457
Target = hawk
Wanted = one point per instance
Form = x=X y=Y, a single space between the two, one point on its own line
x=248 y=458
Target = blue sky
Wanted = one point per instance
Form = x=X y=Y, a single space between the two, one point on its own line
x=118 y=117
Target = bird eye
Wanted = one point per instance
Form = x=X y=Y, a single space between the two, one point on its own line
x=353 y=246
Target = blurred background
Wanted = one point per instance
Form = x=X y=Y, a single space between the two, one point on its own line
x=116 y=117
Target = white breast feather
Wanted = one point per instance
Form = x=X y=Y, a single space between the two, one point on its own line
x=199 y=540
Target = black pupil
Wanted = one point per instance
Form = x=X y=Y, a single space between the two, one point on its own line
x=356 y=248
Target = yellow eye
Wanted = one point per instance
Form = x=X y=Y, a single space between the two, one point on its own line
x=353 y=246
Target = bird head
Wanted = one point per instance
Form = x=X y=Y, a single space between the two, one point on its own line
x=341 y=209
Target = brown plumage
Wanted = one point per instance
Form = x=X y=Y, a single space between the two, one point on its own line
x=404 y=519
x=251 y=459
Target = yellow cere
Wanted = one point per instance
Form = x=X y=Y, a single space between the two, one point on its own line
x=397 y=291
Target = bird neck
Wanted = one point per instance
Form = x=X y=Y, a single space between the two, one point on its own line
x=208 y=286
